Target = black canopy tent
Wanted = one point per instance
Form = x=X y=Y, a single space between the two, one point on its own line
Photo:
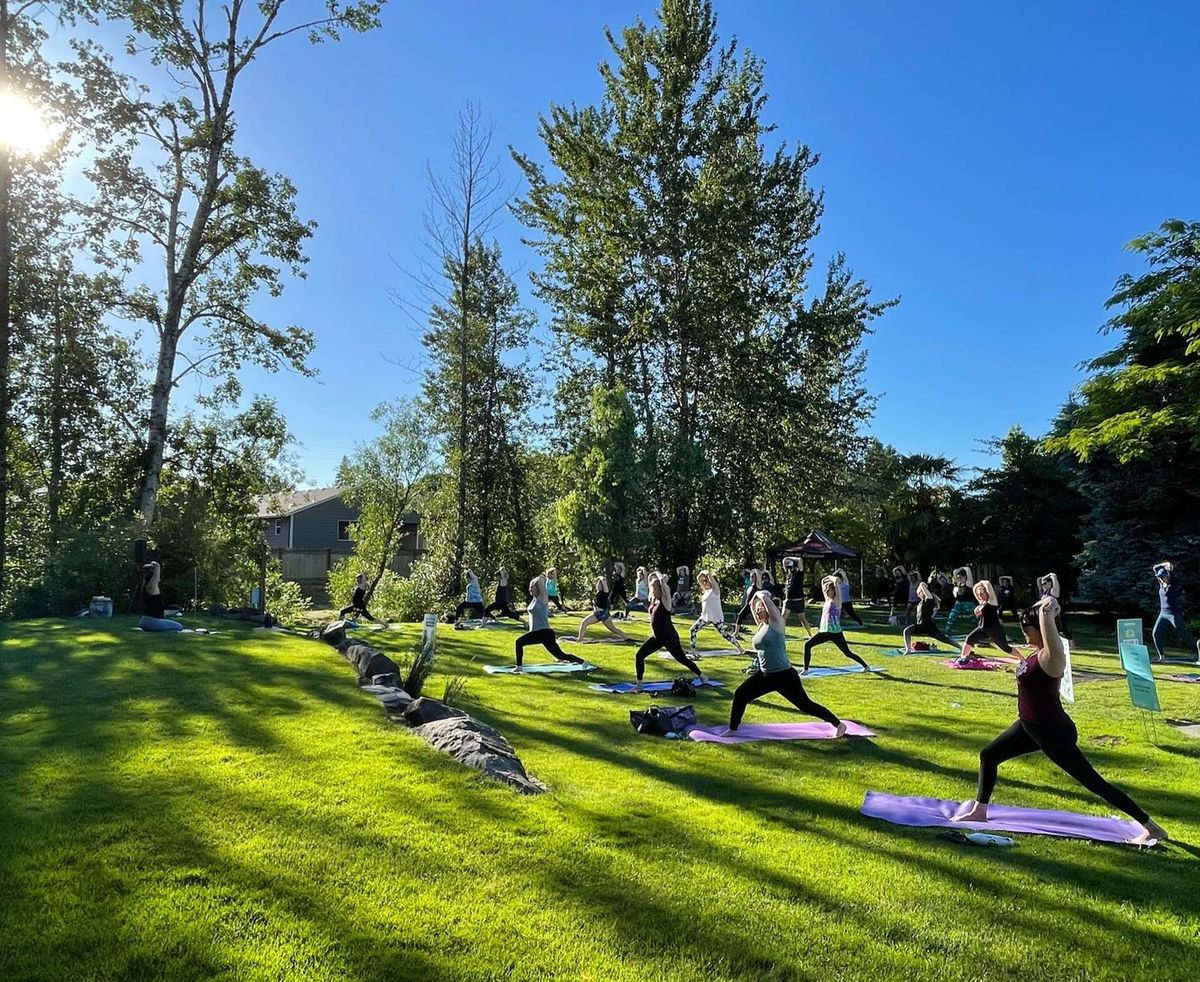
x=817 y=545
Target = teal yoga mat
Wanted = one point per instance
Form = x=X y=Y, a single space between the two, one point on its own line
x=550 y=668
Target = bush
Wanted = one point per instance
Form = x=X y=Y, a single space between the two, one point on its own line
x=285 y=601
x=85 y=563
x=396 y=598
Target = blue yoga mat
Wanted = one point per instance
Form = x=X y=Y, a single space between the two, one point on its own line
x=816 y=673
x=550 y=668
x=621 y=688
x=900 y=652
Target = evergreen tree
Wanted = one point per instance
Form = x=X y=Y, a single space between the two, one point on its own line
x=676 y=252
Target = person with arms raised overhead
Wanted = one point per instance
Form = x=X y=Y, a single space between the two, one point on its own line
x=831 y=625
x=773 y=672
x=1170 y=611
x=1043 y=725
x=662 y=633
x=154 y=611
x=539 y=626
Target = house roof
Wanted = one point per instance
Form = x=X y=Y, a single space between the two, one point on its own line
x=285 y=503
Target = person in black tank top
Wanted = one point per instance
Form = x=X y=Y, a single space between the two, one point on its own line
x=503 y=602
x=601 y=614
x=662 y=632
x=793 y=593
x=1042 y=724
x=989 y=629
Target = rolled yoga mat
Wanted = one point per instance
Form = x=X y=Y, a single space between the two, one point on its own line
x=748 y=732
x=549 y=668
x=932 y=812
x=621 y=688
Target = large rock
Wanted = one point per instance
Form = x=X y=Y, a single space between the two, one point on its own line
x=477 y=745
x=334 y=633
x=425 y=710
x=393 y=699
x=368 y=662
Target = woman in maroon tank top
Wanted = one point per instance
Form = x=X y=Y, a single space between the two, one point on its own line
x=1042 y=724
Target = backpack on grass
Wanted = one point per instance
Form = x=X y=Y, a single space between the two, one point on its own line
x=661 y=720
x=683 y=686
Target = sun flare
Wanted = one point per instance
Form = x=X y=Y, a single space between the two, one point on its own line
x=23 y=129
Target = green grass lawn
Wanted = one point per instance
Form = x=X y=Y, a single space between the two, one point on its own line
x=231 y=805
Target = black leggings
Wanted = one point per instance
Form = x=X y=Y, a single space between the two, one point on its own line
x=849 y=611
x=742 y=614
x=557 y=601
x=468 y=605
x=356 y=610
x=504 y=610
x=674 y=647
x=837 y=639
x=787 y=683
x=546 y=638
x=930 y=630
x=1059 y=742
x=993 y=635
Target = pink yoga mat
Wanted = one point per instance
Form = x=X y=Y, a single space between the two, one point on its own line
x=926 y=812
x=775 y=731
x=981 y=664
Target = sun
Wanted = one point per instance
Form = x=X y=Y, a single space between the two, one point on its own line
x=23 y=129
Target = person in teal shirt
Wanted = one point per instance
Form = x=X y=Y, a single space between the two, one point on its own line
x=773 y=671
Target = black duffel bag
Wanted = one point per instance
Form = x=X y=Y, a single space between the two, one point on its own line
x=661 y=720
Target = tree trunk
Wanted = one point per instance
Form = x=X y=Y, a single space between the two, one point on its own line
x=156 y=433
x=5 y=305
x=464 y=283
x=389 y=550
x=54 y=490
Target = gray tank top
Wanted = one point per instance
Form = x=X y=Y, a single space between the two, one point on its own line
x=539 y=615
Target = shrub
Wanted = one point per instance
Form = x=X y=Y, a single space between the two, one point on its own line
x=285 y=601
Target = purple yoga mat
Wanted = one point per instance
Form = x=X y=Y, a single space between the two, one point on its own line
x=926 y=812
x=775 y=731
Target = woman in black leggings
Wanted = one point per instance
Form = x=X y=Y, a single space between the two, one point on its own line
x=662 y=632
x=539 y=626
x=752 y=588
x=831 y=625
x=773 y=671
x=503 y=602
x=1042 y=724
x=926 y=627
x=989 y=629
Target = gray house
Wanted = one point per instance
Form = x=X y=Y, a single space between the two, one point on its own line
x=309 y=531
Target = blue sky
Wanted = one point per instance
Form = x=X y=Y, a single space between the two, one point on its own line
x=983 y=162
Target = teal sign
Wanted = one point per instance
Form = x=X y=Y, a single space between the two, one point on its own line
x=1129 y=629
x=1135 y=659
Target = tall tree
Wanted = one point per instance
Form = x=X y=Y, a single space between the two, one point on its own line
x=382 y=480
x=170 y=180
x=676 y=252
x=1135 y=424
x=459 y=283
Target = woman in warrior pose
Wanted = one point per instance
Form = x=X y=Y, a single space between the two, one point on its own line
x=503 y=602
x=964 y=600
x=1042 y=724
x=847 y=604
x=539 y=626
x=989 y=630
x=358 y=602
x=641 y=593
x=474 y=599
x=926 y=627
x=831 y=625
x=1050 y=587
x=682 y=597
x=551 y=578
x=1170 y=610
x=793 y=593
x=618 y=594
x=1008 y=597
x=712 y=614
x=662 y=632
x=601 y=613
x=773 y=671
x=752 y=588
x=899 y=593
